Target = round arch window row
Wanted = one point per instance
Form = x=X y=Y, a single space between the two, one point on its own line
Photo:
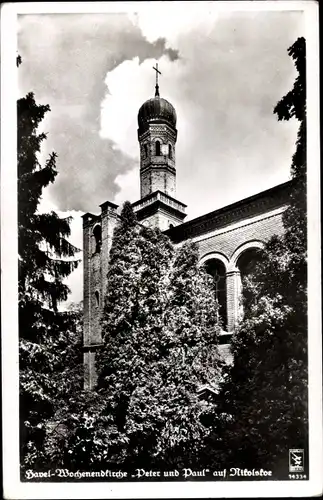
x=159 y=150
x=241 y=264
x=228 y=295
x=216 y=268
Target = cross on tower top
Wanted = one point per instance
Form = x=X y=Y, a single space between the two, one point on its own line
x=157 y=86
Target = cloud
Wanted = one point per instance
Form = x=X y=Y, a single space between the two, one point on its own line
x=224 y=86
x=173 y=21
x=128 y=184
x=129 y=85
x=223 y=73
x=65 y=61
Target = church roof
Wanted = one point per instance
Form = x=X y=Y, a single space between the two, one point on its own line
x=248 y=207
x=158 y=110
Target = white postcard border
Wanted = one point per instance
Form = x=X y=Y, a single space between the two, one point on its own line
x=13 y=487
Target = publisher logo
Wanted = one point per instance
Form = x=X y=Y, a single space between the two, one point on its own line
x=296 y=460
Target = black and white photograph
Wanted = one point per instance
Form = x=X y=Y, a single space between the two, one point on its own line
x=160 y=256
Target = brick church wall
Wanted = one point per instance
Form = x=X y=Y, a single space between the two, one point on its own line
x=226 y=233
x=230 y=239
x=95 y=283
x=227 y=242
x=161 y=219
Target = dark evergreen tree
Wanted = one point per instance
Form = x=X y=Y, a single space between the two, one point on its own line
x=46 y=258
x=85 y=430
x=160 y=335
x=67 y=378
x=124 y=260
x=133 y=316
x=68 y=373
x=264 y=401
x=190 y=361
x=153 y=362
x=81 y=435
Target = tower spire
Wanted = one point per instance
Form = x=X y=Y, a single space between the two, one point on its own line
x=157 y=86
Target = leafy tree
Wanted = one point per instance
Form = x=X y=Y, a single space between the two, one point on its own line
x=46 y=258
x=67 y=378
x=124 y=259
x=190 y=360
x=293 y=105
x=85 y=429
x=90 y=426
x=264 y=400
x=153 y=362
x=81 y=436
x=132 y=324
x=68 y=373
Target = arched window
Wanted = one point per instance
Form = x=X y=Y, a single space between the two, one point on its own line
x=98 y=238
x=217 y=270
x=171 y=225
x=247 y=261
x=246 y=264
x=170 y=151
x=157 y=148
x=145 y=150
x=97 y=298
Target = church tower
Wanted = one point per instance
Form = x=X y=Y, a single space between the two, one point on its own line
x=157 y=207
x=157 y=136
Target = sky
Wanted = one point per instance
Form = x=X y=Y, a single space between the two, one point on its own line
x=223 y=71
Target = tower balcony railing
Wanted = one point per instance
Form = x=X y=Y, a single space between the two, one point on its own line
x=171 y=202
x=159 y=196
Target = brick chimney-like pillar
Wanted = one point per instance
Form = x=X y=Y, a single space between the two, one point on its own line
x=233 y=280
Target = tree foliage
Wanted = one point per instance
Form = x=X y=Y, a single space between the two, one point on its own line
x=160 y=338
x=46 y=258
x=265 y=395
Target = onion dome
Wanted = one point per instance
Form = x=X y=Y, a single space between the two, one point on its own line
x=156 y=110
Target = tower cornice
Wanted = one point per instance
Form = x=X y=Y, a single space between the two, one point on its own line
x=159 y=203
